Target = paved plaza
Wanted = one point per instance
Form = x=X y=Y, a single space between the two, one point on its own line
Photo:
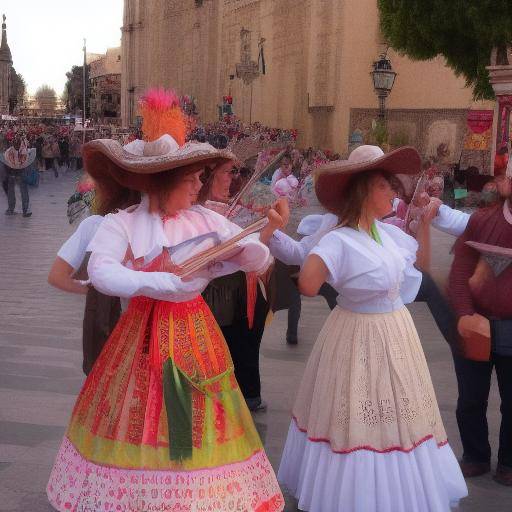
x=40 y=360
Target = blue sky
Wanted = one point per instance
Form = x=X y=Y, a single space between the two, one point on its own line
x=46 y=36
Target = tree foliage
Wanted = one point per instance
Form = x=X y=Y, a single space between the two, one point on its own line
x=464 y=32
x=73 y=90
x=18 y=90
x=46 y=98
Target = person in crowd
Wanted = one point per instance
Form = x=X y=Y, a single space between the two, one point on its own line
x=55 y=154
x=49 y=160
x=17 y=160
x=366 y=404
x=63 y=151
x=479 y=288
x=39 y=143
x=68 y=273
x=284 y=183
x=238 y=303
x=162 y=399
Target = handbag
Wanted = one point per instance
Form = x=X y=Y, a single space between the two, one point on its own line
x=501 y=337
x=476 y=347
x=31 y=177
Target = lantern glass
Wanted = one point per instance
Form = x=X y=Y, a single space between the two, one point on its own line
x=383 y=80
x=383 y=75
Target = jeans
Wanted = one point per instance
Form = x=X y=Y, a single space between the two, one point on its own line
x=13 y=177
x=474 y=381
x=49 y=163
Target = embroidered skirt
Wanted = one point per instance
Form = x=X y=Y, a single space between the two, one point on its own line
x=161 y=425
x=366 y=433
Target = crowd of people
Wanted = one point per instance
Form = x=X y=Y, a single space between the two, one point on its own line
x=178 y=297
x=46 y=147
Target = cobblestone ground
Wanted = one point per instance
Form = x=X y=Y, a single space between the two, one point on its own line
x=40 y=359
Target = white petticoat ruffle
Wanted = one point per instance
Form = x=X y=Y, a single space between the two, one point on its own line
x=425 y=479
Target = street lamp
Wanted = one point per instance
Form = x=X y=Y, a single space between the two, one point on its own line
x=383 y=81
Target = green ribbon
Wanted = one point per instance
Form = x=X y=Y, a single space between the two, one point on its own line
x=375 y=234
x=178 y=388
x=178 y=404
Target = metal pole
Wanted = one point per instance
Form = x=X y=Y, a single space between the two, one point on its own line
x=84 y=88
x=250 y=107
x=382 y=107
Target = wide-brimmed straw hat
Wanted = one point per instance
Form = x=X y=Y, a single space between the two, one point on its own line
x=133 y=164
x=18 y=159
x=331 y=179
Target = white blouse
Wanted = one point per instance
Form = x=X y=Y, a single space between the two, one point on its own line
x=293 y=252
x=146 y=235
x=451 y=221
x=370 y=277
x=74 y=248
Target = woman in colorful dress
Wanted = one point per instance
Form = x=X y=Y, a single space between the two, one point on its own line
x=160 y=423
x=366 y=434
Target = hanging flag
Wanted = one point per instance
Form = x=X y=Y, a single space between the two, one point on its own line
x=479 y=133
x=261 y=61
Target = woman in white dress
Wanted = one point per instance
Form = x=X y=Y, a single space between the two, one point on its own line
x=366 y=434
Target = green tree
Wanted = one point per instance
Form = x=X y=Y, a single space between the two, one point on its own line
x=46 y=99
x=464 y=32
x=73 y=90
x=18 y=90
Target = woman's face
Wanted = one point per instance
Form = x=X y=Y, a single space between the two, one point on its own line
x=221 y=182
x=380 y=197
x=185 y=193
x=286 y=167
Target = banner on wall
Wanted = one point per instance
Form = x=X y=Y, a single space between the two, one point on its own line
x=479 y=130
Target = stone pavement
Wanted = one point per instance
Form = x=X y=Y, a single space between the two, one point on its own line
x=40 y=363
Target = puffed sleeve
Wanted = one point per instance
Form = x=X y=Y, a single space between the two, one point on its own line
x=330 y=249
x=310 y=224
x=255 y=256
x=286 y=249
x=408 y=247
x=451 y=221
x=293 y=252
x=109 y=276
x=74 y=248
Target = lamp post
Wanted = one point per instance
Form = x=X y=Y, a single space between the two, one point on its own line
x=84 y=89
x=383 y=77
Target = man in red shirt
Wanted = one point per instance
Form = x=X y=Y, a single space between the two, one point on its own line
x=479 y=290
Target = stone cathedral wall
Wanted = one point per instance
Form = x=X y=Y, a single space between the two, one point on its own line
x=318 y=56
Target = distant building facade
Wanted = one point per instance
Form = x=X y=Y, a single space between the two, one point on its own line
x=105 y=87
x=44 y=107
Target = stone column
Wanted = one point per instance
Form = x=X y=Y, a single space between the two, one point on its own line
x=5 y=70
x=130 y=59
x=500 y=72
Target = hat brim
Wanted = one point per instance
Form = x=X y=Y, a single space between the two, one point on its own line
x=31 y=158
x=491 y=250
x=332 y=178
x=134 y=171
